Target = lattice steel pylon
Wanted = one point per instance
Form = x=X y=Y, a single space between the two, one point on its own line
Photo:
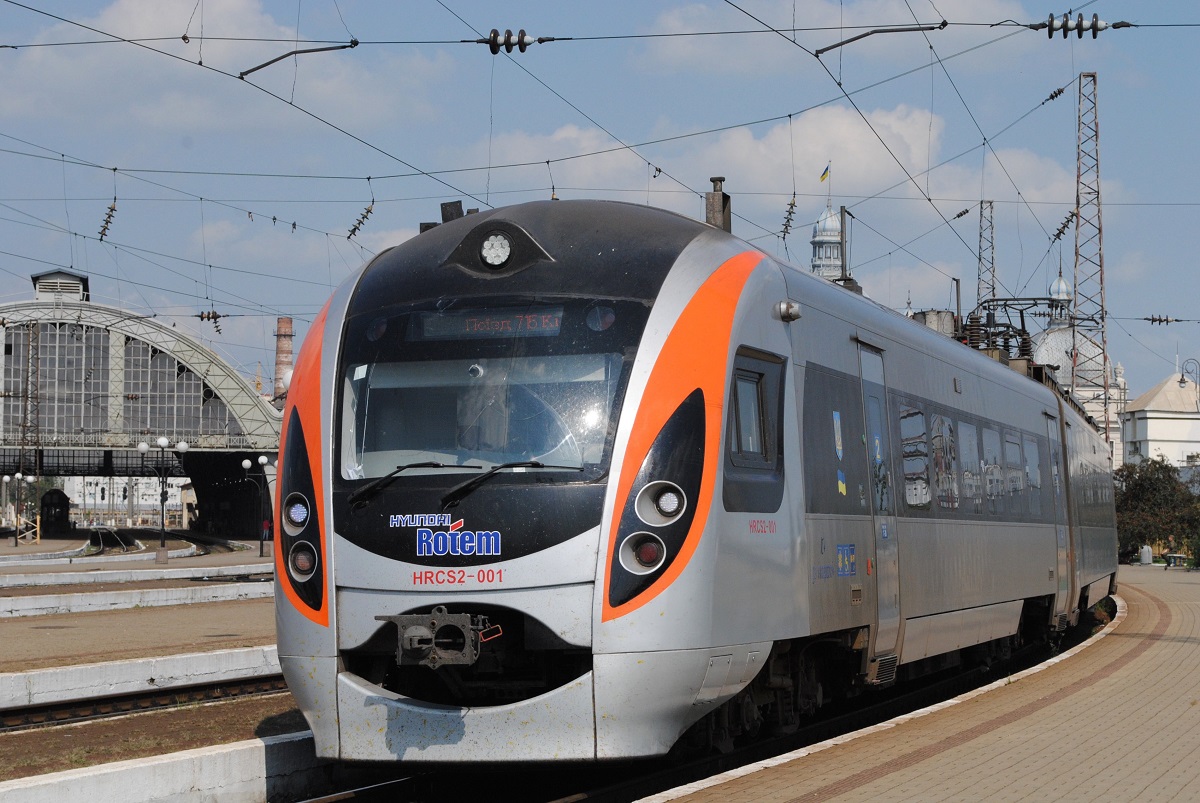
x=1089 y=346
x=987 y=254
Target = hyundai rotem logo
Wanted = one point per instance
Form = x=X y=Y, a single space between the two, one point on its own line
x=438 y=534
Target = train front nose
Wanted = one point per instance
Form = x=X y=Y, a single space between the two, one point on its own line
x=467 y=677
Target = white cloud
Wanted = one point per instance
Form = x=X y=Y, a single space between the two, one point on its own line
x=177 y=96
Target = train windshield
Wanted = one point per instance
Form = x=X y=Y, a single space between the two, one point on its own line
x=470 y=386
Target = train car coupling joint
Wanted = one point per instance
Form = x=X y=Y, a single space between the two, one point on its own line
x=440 y=638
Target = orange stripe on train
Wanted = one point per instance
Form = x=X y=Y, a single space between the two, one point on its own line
x=304 y=395
x=695 y=355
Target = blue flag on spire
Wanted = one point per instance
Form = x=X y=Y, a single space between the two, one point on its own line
x=825 y=174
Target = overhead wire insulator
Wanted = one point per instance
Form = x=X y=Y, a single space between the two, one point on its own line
x=1163 y=319
x=521 y=41
x=362 y=220
x=214 y=316
x=1063 y=228
x=1079 y=25
x=108 y=218
x=788 y=217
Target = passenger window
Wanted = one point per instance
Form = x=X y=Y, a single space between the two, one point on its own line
x=836 y=475
x=1014 y=473
x=945 y=462
x=1033 y=476
x=972 y=467
x=993 y=471
x=914 y=450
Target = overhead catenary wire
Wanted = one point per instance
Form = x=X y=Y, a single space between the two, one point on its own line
x=623 y=146
x=593 y=38
x=314 y=116
x=648 y=163
x=866 y=120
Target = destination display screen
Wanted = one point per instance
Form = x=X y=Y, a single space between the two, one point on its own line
x=482 y=324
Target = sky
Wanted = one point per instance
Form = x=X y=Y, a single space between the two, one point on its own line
x=239 y=194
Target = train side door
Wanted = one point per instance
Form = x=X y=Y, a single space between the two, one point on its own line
x=1063 y=597
x=886 y=633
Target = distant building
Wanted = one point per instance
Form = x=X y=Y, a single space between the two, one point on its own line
x=128 y=501
x=827 y=245
x=1164 y=421
x=1055 y=347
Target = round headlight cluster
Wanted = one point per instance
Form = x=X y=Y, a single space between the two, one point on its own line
x=296 y=513
x=642 y=553
x=497 y=249
x=302 y=561
x=668 y=502
x=648 y=552
x=660 y=503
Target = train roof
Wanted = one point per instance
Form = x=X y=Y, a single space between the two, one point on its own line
x=445 y=260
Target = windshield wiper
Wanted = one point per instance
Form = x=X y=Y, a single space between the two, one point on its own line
x=462 y=491
x=365 y=492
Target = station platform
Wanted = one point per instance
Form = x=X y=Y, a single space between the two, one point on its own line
x=87 y=637
x=1117 y=720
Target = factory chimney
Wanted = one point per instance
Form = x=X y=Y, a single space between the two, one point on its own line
x=283 y=358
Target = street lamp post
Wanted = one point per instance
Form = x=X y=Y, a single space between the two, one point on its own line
x=17 y=504
x=1191 y=367
x=162 y=443
x=7 y=480
x=22 y=481
x=30 y=480
x=259 y=483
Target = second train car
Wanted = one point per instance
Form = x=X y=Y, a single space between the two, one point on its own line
x=569 y=480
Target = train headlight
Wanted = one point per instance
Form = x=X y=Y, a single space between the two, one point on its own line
x=668 y=502
x=496 y=250
x=660 y=503
x=302 y=561
x=295 y=513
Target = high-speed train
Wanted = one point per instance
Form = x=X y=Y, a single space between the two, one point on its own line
x=582 y=480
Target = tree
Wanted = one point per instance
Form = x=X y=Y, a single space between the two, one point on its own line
x=1155 y=506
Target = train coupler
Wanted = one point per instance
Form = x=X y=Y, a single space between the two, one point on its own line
x=440 y=638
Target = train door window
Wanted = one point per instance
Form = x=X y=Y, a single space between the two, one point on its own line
x=747 y=405
x=993 y=472
x=877 y=454
x=914 y=450
x=1055 y=472
x=754 y=433
x=1033 y=476
x=972 y=467
x=945 y=462
x=1014 y=474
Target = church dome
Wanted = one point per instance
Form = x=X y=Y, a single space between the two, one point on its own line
x=1060 y=290
x=828 y=224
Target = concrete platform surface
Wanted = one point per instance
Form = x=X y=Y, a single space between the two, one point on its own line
x=41 y=642
x=1120 y=720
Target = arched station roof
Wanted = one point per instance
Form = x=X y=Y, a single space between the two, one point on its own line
x=84 y=383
